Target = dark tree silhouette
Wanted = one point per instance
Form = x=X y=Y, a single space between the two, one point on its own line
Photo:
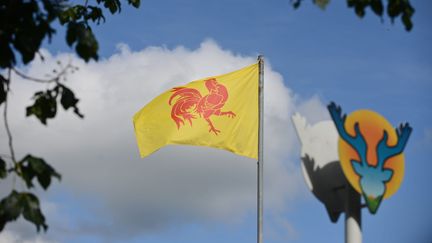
x=24 y=25
x=394 y=9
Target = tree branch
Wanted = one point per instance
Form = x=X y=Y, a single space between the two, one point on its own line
x=22 y=75
x=9 y=134
x=39 y=80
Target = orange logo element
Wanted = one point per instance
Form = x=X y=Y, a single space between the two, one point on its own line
x=189 y=101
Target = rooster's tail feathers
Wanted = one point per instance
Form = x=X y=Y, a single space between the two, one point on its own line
x=184 y=99
x=184 y=93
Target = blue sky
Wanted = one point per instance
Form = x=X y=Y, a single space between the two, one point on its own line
x=313 y=57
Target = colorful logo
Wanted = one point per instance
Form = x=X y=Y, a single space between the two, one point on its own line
x=188 y=102
x=371 y=153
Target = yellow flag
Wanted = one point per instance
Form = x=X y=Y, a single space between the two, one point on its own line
x=220 y=112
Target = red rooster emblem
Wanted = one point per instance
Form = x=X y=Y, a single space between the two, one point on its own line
x=188 y=101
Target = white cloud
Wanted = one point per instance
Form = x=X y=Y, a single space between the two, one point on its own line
x=99 y=159
x=13 y=237
x=313 y=110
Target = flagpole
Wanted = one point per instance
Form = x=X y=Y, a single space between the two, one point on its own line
x=260 y=150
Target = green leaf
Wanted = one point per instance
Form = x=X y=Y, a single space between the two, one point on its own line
x=31 y=210
x=27 y=174
x=27 y=45
x=351 y=3
x=69 y=100
x=72 y=14
x=72 y=32
x=95 y=14
x=377 y=7
x=296 y=3
x=68 y=15
x=3 y=89
x=45 y=106
x=7 y=57
x=113 y=5
x=10 y=208
x=401 y=7
x=17 y=203
x=360 y=9
x=406 y=20
x=87 y=46
x=24 y=37
x=393 y=9
x=3 y=169
x=37 y=167
x=408 y=12
x=135 y=3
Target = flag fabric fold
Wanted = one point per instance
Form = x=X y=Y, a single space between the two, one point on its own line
x=219 y=111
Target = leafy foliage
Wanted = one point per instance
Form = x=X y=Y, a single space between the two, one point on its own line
x=25 y=203
x=3 y=88
x=86 y=43
x=24 y=25
x=21 y=203
x=45 y=105
x=395 y=8
x=30 y=167
x=3 y=171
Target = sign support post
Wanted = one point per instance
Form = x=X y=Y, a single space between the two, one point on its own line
x=353 y=233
